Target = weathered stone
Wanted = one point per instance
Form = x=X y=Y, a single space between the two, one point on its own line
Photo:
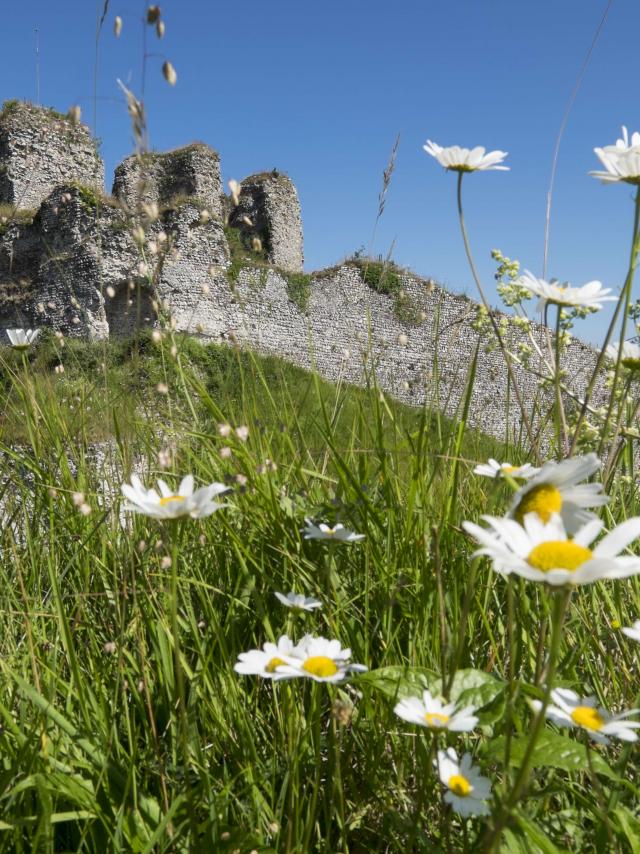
x=41 y=149
x=269 y=209
x=190 y=172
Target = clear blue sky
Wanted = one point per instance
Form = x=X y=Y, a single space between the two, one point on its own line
x=321 y=90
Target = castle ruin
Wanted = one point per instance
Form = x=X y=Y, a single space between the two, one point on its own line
x=169 y=241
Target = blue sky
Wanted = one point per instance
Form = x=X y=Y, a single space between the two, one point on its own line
x=321 y=90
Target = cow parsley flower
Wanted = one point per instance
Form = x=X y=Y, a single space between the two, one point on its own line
x=570 y=710
x=495 y=469
x=323 y=532
x=556 y=488
x=167 y=504
x=433 y=713
x=590 y=296
x=467 y=790
x=542 y=551
x=458 y=159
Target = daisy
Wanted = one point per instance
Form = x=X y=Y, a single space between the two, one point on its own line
x=298 y=601
x=495 y=469
x=320 y=659
x=557 y=489
x=633 y=631
x=630 y=355
x=266 y=662
x=543 y=552
x=467 y=790
x=324 y=532
x=459 y=159
x=590 y=296
x=432 y=712
x=573 y=711
x=22 y=339
x=621 y=161
x=170 y=505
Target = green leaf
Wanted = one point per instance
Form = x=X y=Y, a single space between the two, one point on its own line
x=480 y=690
x=630 y=827
x=552 y=751
x=397 y=682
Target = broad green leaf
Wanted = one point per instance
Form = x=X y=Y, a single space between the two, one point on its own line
x=552 y=751
x=630 y=827
x=478 y=689
x=539 y=839
x=396 y=682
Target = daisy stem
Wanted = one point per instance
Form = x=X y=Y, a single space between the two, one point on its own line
x=624 y=300
x=561 y=421
x=511 y=686
x=492 y=837
x=503 y=349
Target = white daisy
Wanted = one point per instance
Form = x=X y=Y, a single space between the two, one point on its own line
x=495 y=469
x=544 y=552
x=633 y=631
x=590 y=296
x=557 y=489
x=320 y=659
x=464 y=159
x=22 y=339
x=171 y=505
x=433 y=713
x=630 y=355
x=324 y=532
x=266 y=662
x=467 y=790
x=621 y=161
x=298 y=601
x=574 y=711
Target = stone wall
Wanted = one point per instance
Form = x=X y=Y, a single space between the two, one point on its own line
x=268 y=208
x=41 y=149
x=189 y=172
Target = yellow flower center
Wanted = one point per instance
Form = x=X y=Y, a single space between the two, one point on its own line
x=459 y=785
x=320 y=665
x=588 y=717
x=275 y=662
x=330 y=532
x=543 y=500
x=558 y=554
x=169 y=498
x=435 y=719
x=509 y=469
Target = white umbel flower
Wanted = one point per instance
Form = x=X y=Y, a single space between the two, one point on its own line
x=557 y=489
x=320 y=659
x=633 y=631
x=543 y=552
x=495 y=469
x=630 y=354
x=458 y=159
x=621 y=161
x=266 y=662
x=22 y=339
x=323 y=532
x=467 y=790
x=590 y=296
x=434 y=713
x=570 y=710
x=167 y=504
x=298 y=601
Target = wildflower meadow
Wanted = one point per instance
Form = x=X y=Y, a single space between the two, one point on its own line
x=247 y=610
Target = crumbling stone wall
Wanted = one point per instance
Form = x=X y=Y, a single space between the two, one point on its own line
x=40 y=150
x=269 y=208
x=189 y=172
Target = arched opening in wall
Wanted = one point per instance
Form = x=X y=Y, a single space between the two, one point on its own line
x=129 y=309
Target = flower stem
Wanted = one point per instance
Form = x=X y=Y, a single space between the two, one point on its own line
x=503 y=349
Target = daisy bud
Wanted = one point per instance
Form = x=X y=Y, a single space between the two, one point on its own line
x=205 y=216
x=78 y=498
x=165 y=563
x=110 y=291
x=117 y=26
x=53 y=493
x=241 y=479
x=59 y=369
x=224 y=430
x=242 y=433
x=162 y=388
x=403 y=339
x=169 y=73
x=160 y=29
x=109 y=648
x=85 y=509
x=74 y=114
x=153 y=14
x=142 y=546
x=75 y=320
x=225 y=453
x=235 y=191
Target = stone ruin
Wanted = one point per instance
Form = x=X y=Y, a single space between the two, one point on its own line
x=168 y=246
